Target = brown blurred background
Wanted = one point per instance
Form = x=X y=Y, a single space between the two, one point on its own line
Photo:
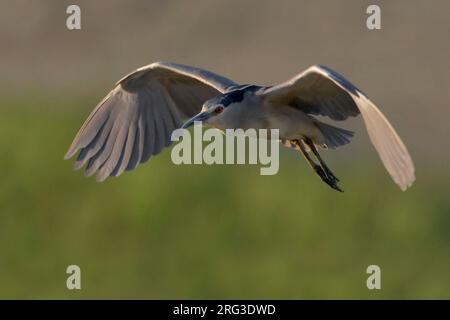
x=404 y=66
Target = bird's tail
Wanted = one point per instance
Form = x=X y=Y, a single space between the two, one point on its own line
x=333 y=137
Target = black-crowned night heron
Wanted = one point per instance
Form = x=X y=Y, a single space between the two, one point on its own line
x=135 y=120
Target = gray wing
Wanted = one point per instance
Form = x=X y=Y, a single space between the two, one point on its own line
x=322 y=91
x=135 y=120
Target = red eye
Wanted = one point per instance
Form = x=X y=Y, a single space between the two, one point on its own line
x=218 y=109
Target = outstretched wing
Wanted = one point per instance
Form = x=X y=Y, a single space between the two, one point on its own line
x=322 y=91
x=135 y=120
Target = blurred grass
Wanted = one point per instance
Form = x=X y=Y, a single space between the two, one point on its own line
x=166 y=231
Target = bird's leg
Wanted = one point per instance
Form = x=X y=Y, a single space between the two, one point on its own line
x=327 y=170
x=320 y=171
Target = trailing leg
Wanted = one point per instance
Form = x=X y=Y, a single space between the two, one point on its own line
x=327 y=170
x=320 y=171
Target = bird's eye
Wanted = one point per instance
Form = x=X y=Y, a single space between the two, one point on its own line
x=218 y=109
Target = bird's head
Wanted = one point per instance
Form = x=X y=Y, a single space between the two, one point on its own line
x=212 y=113
x=220 y=111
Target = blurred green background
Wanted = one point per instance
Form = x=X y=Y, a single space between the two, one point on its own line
x=168 y=232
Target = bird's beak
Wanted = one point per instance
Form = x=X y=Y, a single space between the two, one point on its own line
x=202 y=116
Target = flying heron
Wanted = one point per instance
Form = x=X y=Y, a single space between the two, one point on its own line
x=135 y=120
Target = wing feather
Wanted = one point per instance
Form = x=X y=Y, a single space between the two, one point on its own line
x=135 y=120
x=322 y=91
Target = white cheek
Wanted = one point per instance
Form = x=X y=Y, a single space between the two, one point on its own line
x=214 y=119
x=217 y=121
